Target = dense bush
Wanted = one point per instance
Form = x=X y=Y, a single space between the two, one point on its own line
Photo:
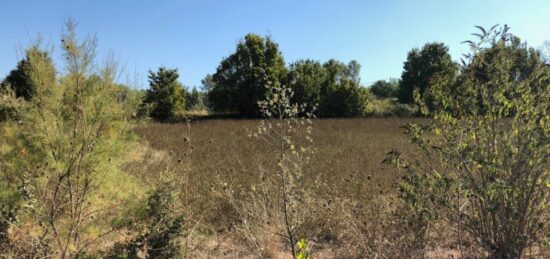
x=332 y=87
x=160 y=228
x=390 y=108
x=385 y=89
x=522 y=63
x=488 y=171
x=10 y=105
x=345 y=99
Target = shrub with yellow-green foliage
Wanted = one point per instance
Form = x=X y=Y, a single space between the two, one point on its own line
x=302 y=252
x=489 y=144
x=390 y=107
x=10 y=105
x=60 y=174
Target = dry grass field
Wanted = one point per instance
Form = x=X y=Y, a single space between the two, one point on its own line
x=353 y=191
x=350 y=206
x=348 y=153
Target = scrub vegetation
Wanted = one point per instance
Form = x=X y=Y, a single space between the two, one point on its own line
x=267 y=160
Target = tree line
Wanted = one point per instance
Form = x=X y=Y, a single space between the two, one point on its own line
x=332 y=88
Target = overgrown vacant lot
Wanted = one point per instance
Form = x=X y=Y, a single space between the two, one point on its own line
x=351 y=202
x=352 y=191
x=253 y=153
x=349 y=152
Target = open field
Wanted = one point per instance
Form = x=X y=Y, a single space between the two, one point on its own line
x=348 y=151
x=355 y=204
x=354 y=190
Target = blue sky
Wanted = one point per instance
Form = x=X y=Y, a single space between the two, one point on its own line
x=194 y=36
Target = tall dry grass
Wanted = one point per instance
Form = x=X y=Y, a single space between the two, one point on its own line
x=355 y=196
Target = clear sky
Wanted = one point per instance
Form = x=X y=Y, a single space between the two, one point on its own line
x=194 y=36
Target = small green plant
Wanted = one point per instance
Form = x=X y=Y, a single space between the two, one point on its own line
x=160 y=226
x=303 y=249
x=417 y=212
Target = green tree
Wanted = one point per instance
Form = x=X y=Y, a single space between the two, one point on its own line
x=19 y=79
x=240 y=80
x=166 y=95
x=353 y=70
x=340 y=93
x=130 y=98
x=207 y=84
x=385 y=89
x=305 y=78
x=488 y=169
x=523 y=58
x=421 y=67
x=195 y=100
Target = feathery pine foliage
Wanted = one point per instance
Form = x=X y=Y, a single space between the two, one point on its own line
x=489 y=168
x=19 y=79
x=60 y=159
x=10 y=105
